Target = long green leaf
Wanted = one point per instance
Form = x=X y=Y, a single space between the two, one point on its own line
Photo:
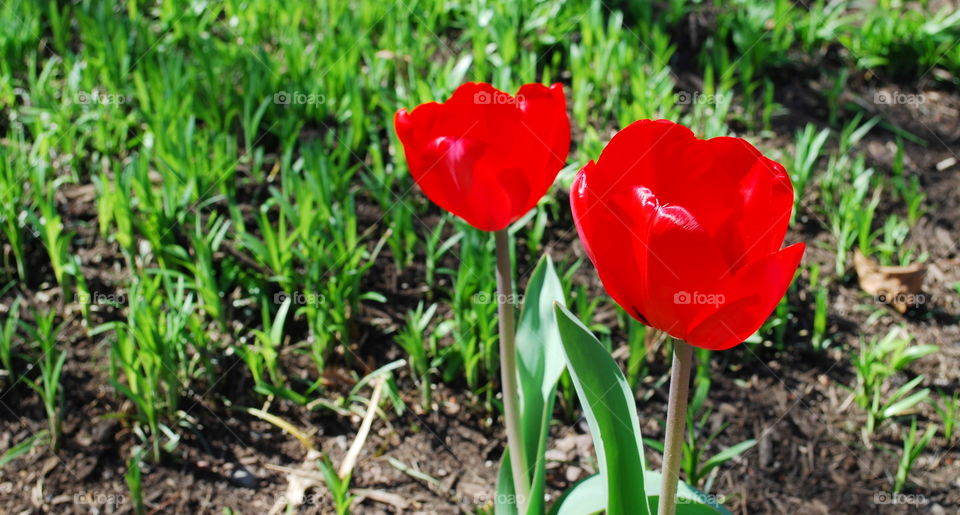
x=900 y=407
x=505 y=503
x=21 y=448
x=586 y=497
x=726 y=455
x=538 y=338
x=608 y=405
x=589 y=496
x=276 y=329
x=540 y=363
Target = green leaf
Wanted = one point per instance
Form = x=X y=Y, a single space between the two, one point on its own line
x=610 y=411
x=21 y=448
x=538 y=338
x=905 y=389
x=540 y=363
x=504 y=502
x=904 y=405
x=276 y=329
x=590 y=496
x=385 y=369
x=587 y=496
x=690 y=501
x=726 y=455
x=914 y=353
x=537 y=503
x=657 y=445
x=919 y=351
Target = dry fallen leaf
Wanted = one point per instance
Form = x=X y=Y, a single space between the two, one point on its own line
x=899 y=286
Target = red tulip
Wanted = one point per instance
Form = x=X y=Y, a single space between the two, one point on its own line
x=686 y=233
x=484 y=155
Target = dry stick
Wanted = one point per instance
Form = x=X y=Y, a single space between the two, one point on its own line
x=508 y=370
x=676 y=421
x=351 y=458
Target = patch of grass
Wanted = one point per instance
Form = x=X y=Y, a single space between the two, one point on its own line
x=878 y=362
x=50 y=365
x=912 y=448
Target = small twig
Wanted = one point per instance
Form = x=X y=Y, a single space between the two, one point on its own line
x=380 y=496
x=307 y=474
x=351 y=458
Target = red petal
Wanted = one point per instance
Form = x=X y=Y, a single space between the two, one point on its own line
x=674 y=225
x=642 y=252
x=751 y=296
x=682 y=265
x=739 y=195
x=546 y=132
x=604 y=238
x=484 y=155
x=642 y=153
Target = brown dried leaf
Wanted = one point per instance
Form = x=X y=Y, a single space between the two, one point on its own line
x=899 y=286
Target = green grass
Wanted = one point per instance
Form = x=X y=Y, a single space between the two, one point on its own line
x=878 y=362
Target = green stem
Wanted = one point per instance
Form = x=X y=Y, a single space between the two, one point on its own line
x=676 y=422
x=508 y=371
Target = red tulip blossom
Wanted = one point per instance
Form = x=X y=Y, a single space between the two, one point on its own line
x=685 y=233
x=484 y=155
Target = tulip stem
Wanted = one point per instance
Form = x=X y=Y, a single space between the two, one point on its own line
x=676 y=422
x=508 y=371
